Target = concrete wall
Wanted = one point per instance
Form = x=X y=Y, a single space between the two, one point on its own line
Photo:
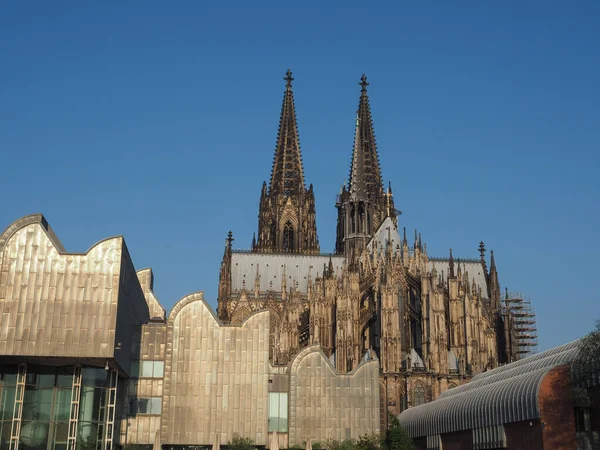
x=216 y=376
x=327 y=405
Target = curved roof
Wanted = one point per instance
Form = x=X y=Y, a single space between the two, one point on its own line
x=506 y=394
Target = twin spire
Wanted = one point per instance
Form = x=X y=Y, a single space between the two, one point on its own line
x=287 y=174
x=287 y=213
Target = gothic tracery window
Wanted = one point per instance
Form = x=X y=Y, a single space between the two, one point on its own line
x=419 y=394
x=288 y=237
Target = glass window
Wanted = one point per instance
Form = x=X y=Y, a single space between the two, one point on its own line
x=94 y=377
x=91 y=404
x=87 y=435
x=581 y=424
x=7 y=402
x=419 y=395
x=34 y=434
x=64 y=377
x=62 y=404
x=9 y=375
x=155 y=405
x=151 y=405
x=5 y=435
x=147 y=369
x=278 y=412
x=135 y=369
x=37 y=403
x=159 y=369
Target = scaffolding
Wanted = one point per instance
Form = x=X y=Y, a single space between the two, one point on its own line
x=525 y=327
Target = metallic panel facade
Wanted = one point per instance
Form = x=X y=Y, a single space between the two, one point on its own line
x=57 y=304
x=93 y=309
x=216 y=376
x=325 y=404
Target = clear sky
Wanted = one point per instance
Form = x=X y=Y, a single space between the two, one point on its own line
x=157 y=121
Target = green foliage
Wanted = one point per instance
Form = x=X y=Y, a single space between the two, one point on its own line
x=370 y=441
x=317 y=446
x=86 y=443
x=240 y=443
x=295 y=447
x=395 y=437
x=348 y=444
x=587 y=365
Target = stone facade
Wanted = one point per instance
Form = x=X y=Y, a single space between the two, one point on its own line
x=432 y=322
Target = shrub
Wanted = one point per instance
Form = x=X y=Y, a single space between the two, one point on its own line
x=370 y=441
x=240 y=443
x=348 y=444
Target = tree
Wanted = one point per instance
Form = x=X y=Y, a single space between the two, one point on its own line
x=396 y=438
x=586 y=367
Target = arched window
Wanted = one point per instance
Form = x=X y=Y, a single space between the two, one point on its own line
x=361 y=217
x=419 y=394
x=288 y=237
x=352 y=219
x=272 y=232
x=452 y=386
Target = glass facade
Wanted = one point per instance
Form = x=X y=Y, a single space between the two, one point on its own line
x=278 y=412
x=47 y=407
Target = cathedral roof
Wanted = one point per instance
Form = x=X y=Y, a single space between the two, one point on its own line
x=386 y=234
x=272 y=267
x=473 y=266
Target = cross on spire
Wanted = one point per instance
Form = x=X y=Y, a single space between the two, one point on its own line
x=229 y=239
x=363 y=83
x=288 y=78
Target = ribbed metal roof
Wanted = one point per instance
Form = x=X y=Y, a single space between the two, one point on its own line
x=271 y=269
x=503 y=395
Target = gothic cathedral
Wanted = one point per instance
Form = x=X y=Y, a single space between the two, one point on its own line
x=433 y=323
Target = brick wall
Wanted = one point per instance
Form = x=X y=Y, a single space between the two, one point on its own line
x=556 y=410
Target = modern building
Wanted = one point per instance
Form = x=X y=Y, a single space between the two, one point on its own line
x=432 y=322
x=529 y=404
x=90 y=360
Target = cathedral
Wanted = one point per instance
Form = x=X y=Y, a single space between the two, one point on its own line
x=433 y=323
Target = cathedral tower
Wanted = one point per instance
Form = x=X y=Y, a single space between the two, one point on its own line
x=287 y=218
x=363 y=204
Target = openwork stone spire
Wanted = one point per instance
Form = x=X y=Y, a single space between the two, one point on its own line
x=362 y=204
x=287 y=217
x=287 y=175
x=365 y=173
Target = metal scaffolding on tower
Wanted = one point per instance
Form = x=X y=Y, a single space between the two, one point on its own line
x=524 y=323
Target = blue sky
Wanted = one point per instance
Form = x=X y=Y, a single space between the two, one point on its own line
x=157 y=121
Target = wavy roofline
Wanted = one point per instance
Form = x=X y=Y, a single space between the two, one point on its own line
x=39 y=219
